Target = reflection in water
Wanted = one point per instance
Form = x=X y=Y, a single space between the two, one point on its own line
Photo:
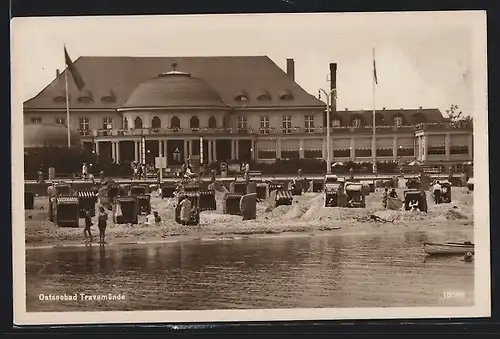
x=305 y=272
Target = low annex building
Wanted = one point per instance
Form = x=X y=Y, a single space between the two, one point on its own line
x=242 y=107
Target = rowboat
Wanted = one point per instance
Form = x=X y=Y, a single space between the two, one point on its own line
x=448 y=248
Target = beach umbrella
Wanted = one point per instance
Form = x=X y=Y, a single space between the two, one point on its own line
x=468 y=163
x=338 y=163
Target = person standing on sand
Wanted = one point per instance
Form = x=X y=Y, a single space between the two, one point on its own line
x=437 y=192
x=102 y=223
x=153 y=219
x=232 y=186
x=157 y=217
x=385 y=195
x=185 y=212
x=150 y=219
x=88 y=224
x=85 y=171
x=393 y=194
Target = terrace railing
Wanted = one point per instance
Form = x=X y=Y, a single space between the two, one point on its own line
x=273 y=131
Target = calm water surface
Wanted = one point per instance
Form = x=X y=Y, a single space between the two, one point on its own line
x=314 y=271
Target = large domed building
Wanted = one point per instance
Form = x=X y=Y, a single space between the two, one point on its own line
x=174 y=90
x=231 y=108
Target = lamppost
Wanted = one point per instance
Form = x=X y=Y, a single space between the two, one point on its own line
x=398 y=157
x=328 y=95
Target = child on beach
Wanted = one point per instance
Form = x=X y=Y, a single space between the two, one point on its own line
x=102 y=223
x=88 y=224
x=384 y=197
x=185 y=210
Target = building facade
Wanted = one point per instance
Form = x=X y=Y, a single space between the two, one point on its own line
x=223 y=108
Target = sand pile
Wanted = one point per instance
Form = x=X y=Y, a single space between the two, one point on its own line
x=218 y=218
x=454 y=214
x=278 y=212
x=295 y=212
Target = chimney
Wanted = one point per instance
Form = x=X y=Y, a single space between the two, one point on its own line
x=58 y=72
x=333 y=85
x=290 y=68
x=383 y=108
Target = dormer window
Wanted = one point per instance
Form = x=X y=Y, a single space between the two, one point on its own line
x=335 y=123
x=86 y=97
x=264 y=96
x=398 y=121
x=107 y=99
x=356 y=123
x=60 y=99
x=286 y=95
x=241 y=97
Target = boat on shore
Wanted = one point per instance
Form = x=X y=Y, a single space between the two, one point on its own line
x=449 y=248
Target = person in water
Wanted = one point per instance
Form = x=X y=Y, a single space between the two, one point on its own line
x=102 y=223
x=88 y=224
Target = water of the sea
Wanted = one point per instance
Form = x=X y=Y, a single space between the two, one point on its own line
x=280 y=272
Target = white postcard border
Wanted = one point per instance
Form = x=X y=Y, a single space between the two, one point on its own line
x=475 y=20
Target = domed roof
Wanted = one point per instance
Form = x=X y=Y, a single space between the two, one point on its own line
x=174 y=89
x=45 y=135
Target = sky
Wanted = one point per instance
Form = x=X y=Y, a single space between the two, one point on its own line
x=422 y=59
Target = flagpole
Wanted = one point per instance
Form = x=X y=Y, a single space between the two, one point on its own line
x=374 y=142
x=67 y=102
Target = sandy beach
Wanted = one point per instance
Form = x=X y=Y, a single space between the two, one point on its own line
x=307 y=215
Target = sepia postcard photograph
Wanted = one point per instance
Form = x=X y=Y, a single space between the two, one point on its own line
x=270 y=167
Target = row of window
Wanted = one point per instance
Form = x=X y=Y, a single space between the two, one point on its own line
x=367 y=152
x=441 y=150
x=264 y=97
x=265 y=126
x=86 y=99
x=59 y=121
x=357 y=122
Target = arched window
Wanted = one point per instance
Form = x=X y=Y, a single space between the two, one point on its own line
x=357 y=121
x=241 y=97
x=138 y=123
x=194 y=122
x=286 y=95
x=264 y=97
x=156 y=122
x=175 y=123
x=125 y=123
x=212 y=123
x=335 y=121
x=398 y=121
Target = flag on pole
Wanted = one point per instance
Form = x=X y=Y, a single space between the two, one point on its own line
x=374 y=69
x=80 y=84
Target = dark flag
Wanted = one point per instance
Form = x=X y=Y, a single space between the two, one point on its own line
x=374 y=69
x=80 y=84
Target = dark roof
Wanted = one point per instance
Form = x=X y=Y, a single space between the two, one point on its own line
x=386 y=117
x=42 y=135
x=174 y=89
x=227 y=75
